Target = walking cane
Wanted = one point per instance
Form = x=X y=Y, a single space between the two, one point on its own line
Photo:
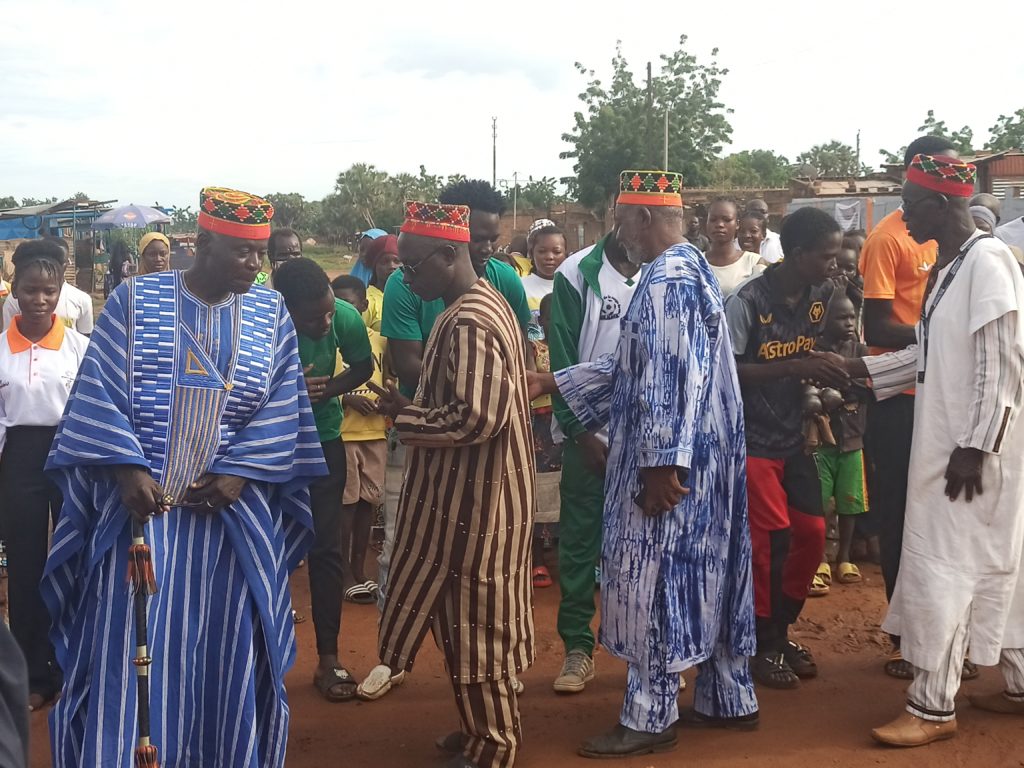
x=142 y=579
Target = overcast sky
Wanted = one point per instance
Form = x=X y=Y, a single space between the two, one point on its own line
x=142 y=101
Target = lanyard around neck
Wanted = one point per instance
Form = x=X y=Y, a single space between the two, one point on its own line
x=926 y=312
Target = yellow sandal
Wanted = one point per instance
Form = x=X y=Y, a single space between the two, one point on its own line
x=822 y=581
x=849 y=574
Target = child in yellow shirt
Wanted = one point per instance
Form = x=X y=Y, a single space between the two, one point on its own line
x=363 y=431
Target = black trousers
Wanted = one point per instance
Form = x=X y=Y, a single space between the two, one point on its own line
x=326 y=560
x=887 y=450
x=29 y=502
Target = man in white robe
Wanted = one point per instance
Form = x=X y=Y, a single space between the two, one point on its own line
x=958 y=592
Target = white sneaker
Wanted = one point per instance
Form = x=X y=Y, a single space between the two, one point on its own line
x=577 y=671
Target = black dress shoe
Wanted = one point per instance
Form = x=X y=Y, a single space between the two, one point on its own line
x=453 y=743
x=691 y=718
x=621 y=741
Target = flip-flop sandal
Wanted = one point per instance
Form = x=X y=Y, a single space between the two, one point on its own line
x=819 y=587
x=899 y=667
x=849 y=574
x=377 y=684
x=541 y=577
x=372 y=587
x=772 y=671
x=359 y=594
x=326 y=682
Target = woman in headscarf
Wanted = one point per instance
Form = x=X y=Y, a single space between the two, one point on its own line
x=154 y=253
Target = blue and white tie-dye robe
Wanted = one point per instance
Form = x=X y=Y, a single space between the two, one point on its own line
x=181 y=388
x=671 y=397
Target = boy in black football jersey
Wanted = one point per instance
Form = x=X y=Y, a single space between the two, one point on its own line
x=775 y=319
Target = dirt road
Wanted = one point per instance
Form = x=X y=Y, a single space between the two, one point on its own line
x=823 y=724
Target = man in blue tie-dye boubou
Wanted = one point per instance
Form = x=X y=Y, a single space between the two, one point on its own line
x=676 y=584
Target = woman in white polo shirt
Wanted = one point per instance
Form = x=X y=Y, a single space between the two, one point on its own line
x=74 y=306
x=39 y=360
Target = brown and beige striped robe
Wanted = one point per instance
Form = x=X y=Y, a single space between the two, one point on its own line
x=465 y=519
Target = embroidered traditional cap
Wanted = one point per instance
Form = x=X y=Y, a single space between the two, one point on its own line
x=235 y=214
x=940 y=173
x=446 y=222
x=651 y=188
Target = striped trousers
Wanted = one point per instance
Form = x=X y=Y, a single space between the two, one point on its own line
x=490 y=718
x=931 y=695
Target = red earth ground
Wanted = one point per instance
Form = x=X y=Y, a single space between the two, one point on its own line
x=824 y=723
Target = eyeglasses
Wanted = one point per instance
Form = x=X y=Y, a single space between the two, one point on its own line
x=411 y=270
x=910 y=205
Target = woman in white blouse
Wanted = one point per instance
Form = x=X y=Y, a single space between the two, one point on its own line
x=39 y=360
x=730 y=263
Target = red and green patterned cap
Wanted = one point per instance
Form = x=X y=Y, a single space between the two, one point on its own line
x=940 y=173
x=235 y=214
x=651 y=188
x=446 y=222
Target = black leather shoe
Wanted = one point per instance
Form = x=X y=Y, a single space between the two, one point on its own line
x=452 y=744
x=691 y=718
x=621 y=741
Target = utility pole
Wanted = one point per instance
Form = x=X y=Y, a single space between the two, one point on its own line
x=664 y=165
x=494 y=152
x=515 y=198
x=858 y=151
x=649 y=121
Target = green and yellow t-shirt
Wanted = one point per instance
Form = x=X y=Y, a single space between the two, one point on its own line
x=347 y=336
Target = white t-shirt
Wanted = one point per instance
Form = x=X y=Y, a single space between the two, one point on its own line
x=617 y=291
x=36 y=378
x=771 y=248
x=731 y=276
x=1012 y=232
x=74 y=308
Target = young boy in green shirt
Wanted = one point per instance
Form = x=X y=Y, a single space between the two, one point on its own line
x=325 y=327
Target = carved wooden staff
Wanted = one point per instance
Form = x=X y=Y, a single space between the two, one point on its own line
x=142 y=579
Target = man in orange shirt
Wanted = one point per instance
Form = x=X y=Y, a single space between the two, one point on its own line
x=895 y=269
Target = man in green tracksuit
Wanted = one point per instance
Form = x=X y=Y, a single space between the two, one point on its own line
x=592 y=290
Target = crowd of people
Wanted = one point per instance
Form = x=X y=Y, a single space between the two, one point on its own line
x=670 y=415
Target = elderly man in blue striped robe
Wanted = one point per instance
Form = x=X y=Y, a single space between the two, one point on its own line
x=676 y=584
x=190 y=408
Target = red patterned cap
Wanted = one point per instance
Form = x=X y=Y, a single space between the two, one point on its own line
x=446 y=222
x=940 y=173
x=651 y=188
x=235 y=214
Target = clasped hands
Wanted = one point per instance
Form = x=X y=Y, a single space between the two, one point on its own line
x=144 y=497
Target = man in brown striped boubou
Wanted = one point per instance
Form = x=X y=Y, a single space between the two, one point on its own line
x=461 y=563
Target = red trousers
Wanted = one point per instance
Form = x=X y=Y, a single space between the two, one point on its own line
x=787 y=531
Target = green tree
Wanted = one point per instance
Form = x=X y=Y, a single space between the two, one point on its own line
x=362 y=193
x=962 y=139
x=834 y=159
x=8 y=202
x=1007 y=133
x=541 y=194
x=27 y=201
x=289 y=209
x=751 y=168
x=183 y=220
x=622 y=124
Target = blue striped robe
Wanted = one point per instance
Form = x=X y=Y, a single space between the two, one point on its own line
x=182 y=388
x=673 y=398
